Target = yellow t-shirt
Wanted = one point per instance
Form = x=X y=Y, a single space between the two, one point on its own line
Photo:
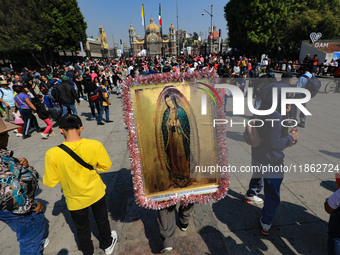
x=105 y=93
x=81 y=187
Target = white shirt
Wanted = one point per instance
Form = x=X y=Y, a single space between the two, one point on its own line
x=334 y=200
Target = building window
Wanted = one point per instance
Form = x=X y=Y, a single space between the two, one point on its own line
x=166 y=47
x=141 y=47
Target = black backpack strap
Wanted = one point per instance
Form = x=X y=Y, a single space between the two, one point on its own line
x=75 y=156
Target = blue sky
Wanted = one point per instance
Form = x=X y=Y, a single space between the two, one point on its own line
x=116 y=16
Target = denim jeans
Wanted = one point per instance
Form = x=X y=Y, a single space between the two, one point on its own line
x=72 y=107
x=29 y=228
x=107 y=113
x=94 y=104
x=82 y=222
x=271 y=192
x=100 y=115
x=334 y=233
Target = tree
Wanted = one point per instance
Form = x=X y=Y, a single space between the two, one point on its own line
x=195 y=36
x=325 y=20
x=30 y=27
x=263 y=26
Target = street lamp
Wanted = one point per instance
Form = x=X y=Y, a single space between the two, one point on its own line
x=211 y=15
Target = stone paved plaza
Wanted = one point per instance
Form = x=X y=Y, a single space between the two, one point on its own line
x=229 y=226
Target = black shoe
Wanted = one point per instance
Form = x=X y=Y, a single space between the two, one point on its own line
x=109 y=121
x=25 y=136
x=183 y=227
x=101 y=123
x=301 y=125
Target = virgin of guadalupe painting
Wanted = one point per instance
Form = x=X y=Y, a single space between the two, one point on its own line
x=168 y=139
x=176 y=136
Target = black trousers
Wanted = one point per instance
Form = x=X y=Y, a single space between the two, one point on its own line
x=82 y=222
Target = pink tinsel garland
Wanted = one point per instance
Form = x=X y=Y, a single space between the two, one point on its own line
x=135 y=159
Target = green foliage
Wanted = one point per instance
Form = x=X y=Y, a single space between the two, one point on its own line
x=40 y=25
x=262 y=26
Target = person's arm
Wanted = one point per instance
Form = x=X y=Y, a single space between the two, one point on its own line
x=103 y=159
x=333 y=202
x=75 y=96
x=51 y=175
x=2 y=101
x=29 y=103
x=274 y=139
x=301 y=82
x=105 y=98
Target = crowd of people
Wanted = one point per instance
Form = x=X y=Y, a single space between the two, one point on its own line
x=51 y=94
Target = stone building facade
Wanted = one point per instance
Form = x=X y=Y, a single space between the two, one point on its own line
x=154 y=43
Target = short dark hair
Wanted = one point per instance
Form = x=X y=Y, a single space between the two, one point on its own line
x=70 y=128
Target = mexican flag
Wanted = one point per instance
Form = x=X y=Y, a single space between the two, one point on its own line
x=160 y=15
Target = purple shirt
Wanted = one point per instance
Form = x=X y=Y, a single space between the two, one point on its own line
x=20 y=99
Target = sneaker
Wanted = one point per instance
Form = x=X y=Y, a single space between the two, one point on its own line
x=15 y=130
x=183 y=227
x=81 y=98
x=109 y=121
x=253 y=199
x=44 y=136
x=101 y=123
x=301 y=125
x=51 y=134
x=109 y=250
x=19 y=135
x=93 y=118
x=26 y=136
x=44 y=244
x=265 y=228
x=166 y=250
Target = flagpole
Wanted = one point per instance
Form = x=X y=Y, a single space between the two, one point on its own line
x=177 y=28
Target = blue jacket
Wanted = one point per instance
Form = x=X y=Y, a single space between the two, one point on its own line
x=272 y=145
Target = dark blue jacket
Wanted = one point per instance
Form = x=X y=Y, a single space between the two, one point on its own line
x=272 y=145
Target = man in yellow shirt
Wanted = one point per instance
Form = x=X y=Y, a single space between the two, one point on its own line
x=82 y=188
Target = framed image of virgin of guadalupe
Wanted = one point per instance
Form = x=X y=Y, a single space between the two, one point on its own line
x=171 y=143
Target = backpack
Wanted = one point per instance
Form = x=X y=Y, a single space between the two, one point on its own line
x=16 y=185
x=251 y=136
x=313 y=85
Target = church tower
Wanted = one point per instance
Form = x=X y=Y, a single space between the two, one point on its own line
x=132 y=35
x=172 y=41
x=172 y=33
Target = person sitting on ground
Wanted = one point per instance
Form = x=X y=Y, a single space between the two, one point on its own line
x=18 y=207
